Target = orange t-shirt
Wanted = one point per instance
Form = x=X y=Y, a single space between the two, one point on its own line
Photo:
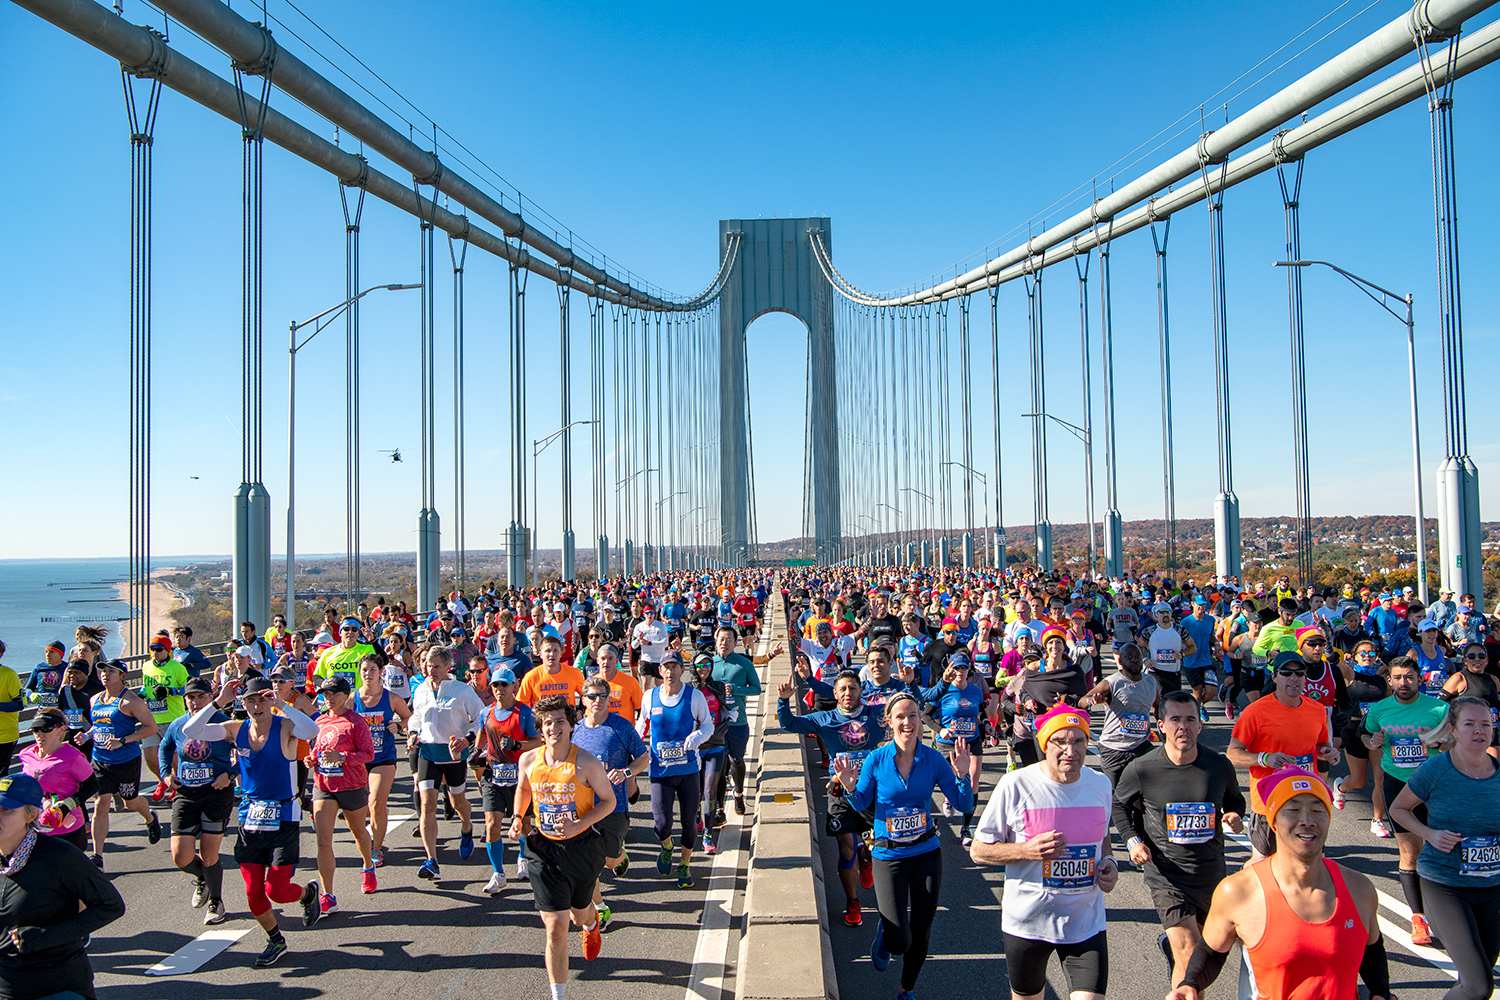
x=1268 y=726
x=538 y=684
x=625 y=696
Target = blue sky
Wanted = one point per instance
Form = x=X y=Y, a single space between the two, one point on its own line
x=925 y=132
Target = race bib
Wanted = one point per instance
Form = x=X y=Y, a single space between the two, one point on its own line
x=855 y=759
x=195 y=775
x=1072 y=872
x=1165 y=657
x=550 y=816
x=965 y=726
x=378 y=736
x=1134 y=723
x=671 y=752
x=261 y=816
x=984 y=668
x=74 y=719
x=1407 y=751
x=156 y=706
x=1190 y=822
x=1480 y=857
x=103 y=731
x=905 y=824
x=1303 y=760
x=330 y=770
x=505 y=775
x=46 y=699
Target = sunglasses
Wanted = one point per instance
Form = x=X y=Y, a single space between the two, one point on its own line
x=1316 y=642
x=1476 y=656
x=595 y=695
x=47 y=723
x=1291 y=673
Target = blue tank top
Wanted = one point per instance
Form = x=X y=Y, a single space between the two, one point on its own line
x=265 y=782
x=108 y=720
x=377 y=718
x=1434 y=671
x=670 y=726
x=984 y=662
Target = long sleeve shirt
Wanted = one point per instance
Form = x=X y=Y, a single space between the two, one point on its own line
x=454 y=709
x=902 y=804
x=348 y=734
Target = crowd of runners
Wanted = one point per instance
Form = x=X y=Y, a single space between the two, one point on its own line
x=567 y=704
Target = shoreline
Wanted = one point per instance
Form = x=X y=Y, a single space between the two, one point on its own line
x=163 y=600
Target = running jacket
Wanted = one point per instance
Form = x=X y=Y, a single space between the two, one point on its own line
x=902 y=804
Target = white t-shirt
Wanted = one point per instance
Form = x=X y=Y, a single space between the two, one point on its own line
x=651 y=637
x=827 y=661
x=1165 y=649
x=1056 y=901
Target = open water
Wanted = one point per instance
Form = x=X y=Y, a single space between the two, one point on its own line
x=77 y=591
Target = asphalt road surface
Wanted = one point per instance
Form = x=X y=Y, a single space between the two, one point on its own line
x=967 y=958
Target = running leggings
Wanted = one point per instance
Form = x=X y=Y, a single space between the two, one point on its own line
x=708 y=785
x=263 y=886
x=682 y=789
x=1468 y=922
x=906 y=890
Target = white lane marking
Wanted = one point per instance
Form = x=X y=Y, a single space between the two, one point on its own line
x=196 y=953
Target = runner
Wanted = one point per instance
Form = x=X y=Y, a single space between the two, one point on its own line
x=741 y=681
x=552 y=677
x=1307 y=925
x=1198 y=665
x=65 y=774
x=1473 y=680
x=649 y=638
x=958 y=707
x=1283 y=730
x=341 y=784
x=1367 y=684
x=711 y=753
x=1170 y=807
x=679 y=722
x=1038 y=689
x=1451 y=802
x=1398 y=726
x=616 y=745
x=897 y=781
x=201 y=776
x=162 y=680
x=562 y=794
x=121 y=724
x=270 y=814
x=343 y=659
x=46 y=677
x=1168 y=645
x=746 y=611
x=509 y=730
x=1049 y=826
x=624 y=690
x=1129 y=701
x=385 y=713
x=851 y=730
x=445 y=712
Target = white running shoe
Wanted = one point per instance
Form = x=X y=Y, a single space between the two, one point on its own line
x=1338 y=793
x=523 y=870
x=496 y=885
x=1380 y=828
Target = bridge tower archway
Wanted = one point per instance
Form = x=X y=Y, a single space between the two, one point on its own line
x=775 y=271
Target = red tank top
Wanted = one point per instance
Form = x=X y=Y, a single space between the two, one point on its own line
x=1321 y=689
x=1296 y=959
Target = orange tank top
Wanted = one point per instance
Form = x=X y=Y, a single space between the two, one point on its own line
x=1296 y=959
x=558 y=793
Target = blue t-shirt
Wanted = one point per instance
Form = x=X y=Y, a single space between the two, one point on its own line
x=199 y=762
x=616 y=744
x=902 y=805
x=1202 y=632
x=1471 y=809
x=849 y=736
x=958 y=709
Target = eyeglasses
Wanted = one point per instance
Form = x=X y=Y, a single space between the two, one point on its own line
x=1291 y=673
x=595 y=695
x=1476 y=656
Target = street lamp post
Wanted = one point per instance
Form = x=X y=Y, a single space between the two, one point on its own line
x=629 y=543
x=321 y=320
x=537 y=447
x=1383 y=297
x=932 y=528
x=671 y=549
x=969 y=536
x=1088 y=493
x=900 y=534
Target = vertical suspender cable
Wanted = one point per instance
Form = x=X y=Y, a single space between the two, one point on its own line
x=1291 y=189
x=351 y=393
x=1113 y=534
x=565 y=392
x=142 y=128
x=967 y=421
x=460 y=456
x=1000 y=536
x=1081 y=266
x=1164 y=349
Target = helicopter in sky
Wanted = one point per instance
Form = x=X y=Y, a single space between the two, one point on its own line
x=395 y=453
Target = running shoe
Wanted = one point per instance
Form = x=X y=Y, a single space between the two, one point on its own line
x=1231 y=711
x=684 y=877
x=311 y=911
x=947 y=811
x=99 y=861
x=592 y=941
x=379 y=857
x=327 y=904
x=275 y=948
x=159 y=792
x=200 y=893
x=367 y=881
x=852 y=915
x=1380 y=828
x=719 y=817
x=172 y=794
x=879 y=957
x=1420 y=932
x=866 y=870
x=466 y=845
x=965 y=837
x=1166 y=950
x=1338 y=793
x=709 y=847
x=215 y=913
x=664 y=860
x=523 y=869
x=1223 y=691
x=447 y=809
x=1202 y=714
x=604 y=915
x=496 y=885
x=153 y=830
x=739 y=803
x=429 y=869
x=700 y=822
x=906 y=995
x=823 y=762
x=623 y=866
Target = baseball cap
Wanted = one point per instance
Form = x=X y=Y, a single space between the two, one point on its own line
x=504 y=675
x=1160 y=606
x=244 y=651
x=559 y=606
x=197 y=685
x=1464 y=609
x=257 y=685
x=1427 y=625
x=19 y=790
x=1288 y=658
x=333 y=684
x=1200 y=599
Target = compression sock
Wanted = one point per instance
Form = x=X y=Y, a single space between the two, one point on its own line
x=195 y=868
x=214 y=875
x=1411 y=888
x=496 y=850
x=737 y=767
x=521 y=848
x=968 y=820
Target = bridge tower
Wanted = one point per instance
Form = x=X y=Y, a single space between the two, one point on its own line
x=775 y=270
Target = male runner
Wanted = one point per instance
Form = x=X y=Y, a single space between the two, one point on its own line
x=444 y=714
x=552 y=678
x=1308 y=925
x=570 y=792
x=1170 y=806
x=509 y=730
x=162 y=680
x=200 y=775
x=623 y=753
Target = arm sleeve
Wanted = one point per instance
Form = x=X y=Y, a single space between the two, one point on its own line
x=1128 y=804
x=197 y=727
x=302 y=727
x=1375 y=969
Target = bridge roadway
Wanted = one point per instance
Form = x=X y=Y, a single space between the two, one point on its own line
x=443 y=940
x=967 y=957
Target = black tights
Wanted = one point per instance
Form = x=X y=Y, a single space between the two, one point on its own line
x=906 y=929
x=1468 y=922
